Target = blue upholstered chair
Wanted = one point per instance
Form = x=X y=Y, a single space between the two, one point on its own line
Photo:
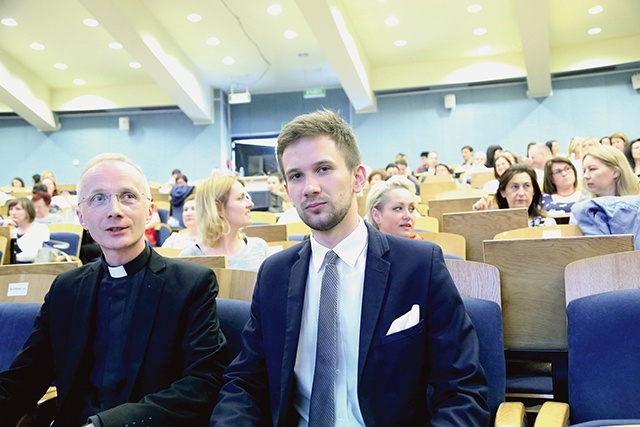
x=487 y=321
x=604 y=368
x=72 y=239
x=16 y=322
x=233 y=315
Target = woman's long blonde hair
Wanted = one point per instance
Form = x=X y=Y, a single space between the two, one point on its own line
x=211 y=198
x=627 y=182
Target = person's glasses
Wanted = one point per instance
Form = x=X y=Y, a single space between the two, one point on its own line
x=566 y=169
x=102 y=200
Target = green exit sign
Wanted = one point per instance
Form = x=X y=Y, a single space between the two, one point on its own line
x=315 y=92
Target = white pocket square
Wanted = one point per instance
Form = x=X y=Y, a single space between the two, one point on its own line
x=407 y=320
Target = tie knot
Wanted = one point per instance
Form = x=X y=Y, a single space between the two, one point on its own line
x=331 y=257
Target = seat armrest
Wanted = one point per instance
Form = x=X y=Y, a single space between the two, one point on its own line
x=553 y=414
x=511 y=414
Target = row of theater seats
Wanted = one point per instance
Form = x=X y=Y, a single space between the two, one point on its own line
x=525 y=278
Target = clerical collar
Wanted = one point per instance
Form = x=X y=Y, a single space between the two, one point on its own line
x=130 y=268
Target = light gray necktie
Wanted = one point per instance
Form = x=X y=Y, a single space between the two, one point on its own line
x=322 y=406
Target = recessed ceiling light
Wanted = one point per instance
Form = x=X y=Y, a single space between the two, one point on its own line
x=274 y=9
x=290 y=34
x=36 y=46
x=481 y=31
x=595 y=30
x=400 y=43
x=474 y=8
x=89 y=22
x=60 y=66
x=228 y=60
x=595 y=10
x=78 y=82
x=135 y=65
x=194 y=17
x=392 y=21
x=9 y=22
x=213 y=41
x=115 y=45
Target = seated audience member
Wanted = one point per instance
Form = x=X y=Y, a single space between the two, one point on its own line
x=179 y=192
x=42 y=203
x=188 y=237
x=539 y=155
x=424 y=163
x=510 y=156
x=619 y=140
x=493 y=151
x=443 y=170
x=403 y=170
x=632 y=153
x=518 y=188
x=278 y=199
x=554 y=147
x=607 y=173
x=588 y=143
x=17 y=182
x=30 y=235
x=376 y=176
x=352 y=327
x=467 y=159
x=560 y=188
x=605 y=140
x=222 y=211
x=574 y=152
x=390 y=207
x=500 y=164
x=35 y=178
x=391 y=170
x=150 y=229
x=132 y=339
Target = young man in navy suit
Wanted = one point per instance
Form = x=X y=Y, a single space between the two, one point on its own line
x=404 y=351
x=132 y=339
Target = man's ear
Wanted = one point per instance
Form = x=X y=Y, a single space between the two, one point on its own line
x=80 y=218
x=360 y=175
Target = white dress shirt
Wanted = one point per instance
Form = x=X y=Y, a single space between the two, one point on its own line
x=352 y=257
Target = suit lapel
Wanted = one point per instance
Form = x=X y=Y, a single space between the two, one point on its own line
x=80 y=323
x=295 y=303
x=376 y=281
x=145 y=312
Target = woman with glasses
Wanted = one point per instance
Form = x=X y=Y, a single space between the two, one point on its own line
x=223 y=209
x=560 y=187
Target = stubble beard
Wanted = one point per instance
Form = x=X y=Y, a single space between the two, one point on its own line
x=317 y=223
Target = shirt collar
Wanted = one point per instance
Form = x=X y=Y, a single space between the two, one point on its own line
x=130 y=268
x=348 y=250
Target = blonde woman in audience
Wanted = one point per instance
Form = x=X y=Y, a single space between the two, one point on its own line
x=223 y=209
x=560 y=187
x=29 y=234
x=608 y=173
x=518 y=188
x=189 y=236
x=391 y=207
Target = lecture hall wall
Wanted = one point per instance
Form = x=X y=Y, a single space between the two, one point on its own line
x=410 y=123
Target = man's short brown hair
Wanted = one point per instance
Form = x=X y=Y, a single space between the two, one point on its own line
x=321 y=123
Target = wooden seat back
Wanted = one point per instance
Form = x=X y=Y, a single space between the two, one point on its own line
x=429 y=190
x=263 y=217
x=210 y=261
x=426 y=223
x=439 y=207
x=452 y=244
x=168 y=252
x=236 y=284
x=29 y=282
x=475 y=279
x=268 y=233
x=604 y=273
x=483 y=225
x=479 y=179
x=532 y=284
x=563 y=230
x=6 y=232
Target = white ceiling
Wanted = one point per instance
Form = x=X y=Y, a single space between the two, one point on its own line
x=339 y=44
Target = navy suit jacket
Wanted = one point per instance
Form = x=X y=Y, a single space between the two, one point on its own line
x=177 y=353
x=395 y=372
